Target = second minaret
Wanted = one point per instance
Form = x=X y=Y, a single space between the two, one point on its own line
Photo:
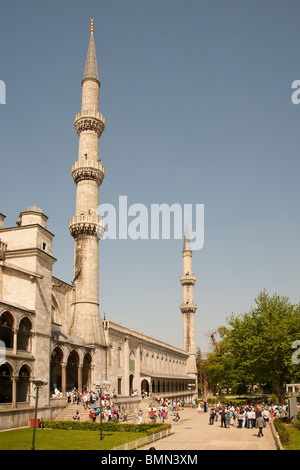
x=188 y=307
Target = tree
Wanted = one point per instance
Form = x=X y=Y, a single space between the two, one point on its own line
x=257 y=344
x=202 y=376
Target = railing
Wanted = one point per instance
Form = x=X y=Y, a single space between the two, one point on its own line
x=188 y=279
x=188 y=307
x=88 y=169
x=89 y=224
x=89 y=120
x=84 y=219
x=87 y=164
x=90 y=114
x=145 y=440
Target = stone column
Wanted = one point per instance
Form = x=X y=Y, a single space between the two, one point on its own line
x=80 y=366
x=14 y=380
x=15 y=340
x=137 y=372
x=126 y=367
x=64 y=378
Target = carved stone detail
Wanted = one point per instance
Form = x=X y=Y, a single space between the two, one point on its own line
x=86 y=121
x=3 y=249
x=88 y=170
x=188 y=307
x=86 y=225
x=188 y=280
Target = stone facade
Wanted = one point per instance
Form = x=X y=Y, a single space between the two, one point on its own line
x=53 y=330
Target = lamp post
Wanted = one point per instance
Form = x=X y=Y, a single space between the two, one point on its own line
x=38 y=384
x=105 y=385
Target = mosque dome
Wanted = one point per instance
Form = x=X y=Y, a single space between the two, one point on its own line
x=32 y=215
x=33 y=209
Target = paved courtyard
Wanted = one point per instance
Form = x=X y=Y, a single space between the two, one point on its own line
x=193 y=432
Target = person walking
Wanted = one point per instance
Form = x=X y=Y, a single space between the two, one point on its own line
x=266 y=415
x=260 y=423
x=212 y=416
x=223 y=418
x=249 y=418
x=140 y=416
x=241 y=418
x=227 y=418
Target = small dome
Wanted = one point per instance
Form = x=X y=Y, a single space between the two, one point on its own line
x=31 y=216
x=33 y=209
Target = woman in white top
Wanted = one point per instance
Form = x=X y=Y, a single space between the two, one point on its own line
x=266 y=415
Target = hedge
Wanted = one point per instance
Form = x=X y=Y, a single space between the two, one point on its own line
x=106 y=426
x=282 y=431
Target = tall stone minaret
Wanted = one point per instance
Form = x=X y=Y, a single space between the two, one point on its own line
x=188 y=307
x=88 y=174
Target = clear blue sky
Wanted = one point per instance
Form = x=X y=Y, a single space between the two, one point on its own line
x=197 y=101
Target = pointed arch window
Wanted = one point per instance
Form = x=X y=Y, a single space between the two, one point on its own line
x=23 y=384
x=24 y=335
x=131 y=361
x=5 y=384
x=119 y=357
x=6 y=329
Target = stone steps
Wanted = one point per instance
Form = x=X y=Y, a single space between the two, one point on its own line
x=144 y=405
x=70 y=410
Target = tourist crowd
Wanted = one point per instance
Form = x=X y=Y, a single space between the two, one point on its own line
x=91 y=401
x=243 y=415
x=161 y=408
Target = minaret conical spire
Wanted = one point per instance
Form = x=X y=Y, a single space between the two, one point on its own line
x=91 y=67
x=186 y=241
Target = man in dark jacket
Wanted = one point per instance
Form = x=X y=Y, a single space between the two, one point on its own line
x=223 y=418
x=260 y=424
x=212 y=416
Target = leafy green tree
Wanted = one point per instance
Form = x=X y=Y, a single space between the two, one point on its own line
x=257 y=345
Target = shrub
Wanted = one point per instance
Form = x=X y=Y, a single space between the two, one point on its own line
x=282 y=431
x=222 y=398
x=212 y=401
x=106 y=427
x=274 y=398
x=296 y=423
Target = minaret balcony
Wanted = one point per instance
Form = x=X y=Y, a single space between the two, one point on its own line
x=189 y=307
x=86 y=224
x=89 y=121
x=88 y=170
x=188 y=280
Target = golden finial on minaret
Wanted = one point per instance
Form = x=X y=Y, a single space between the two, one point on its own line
x=92 y=25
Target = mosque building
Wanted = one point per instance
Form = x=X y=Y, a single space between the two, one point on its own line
x=53 y=330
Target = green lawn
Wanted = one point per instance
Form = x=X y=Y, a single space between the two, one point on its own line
x=294 y=434
x=57 y=439
x=289 y=433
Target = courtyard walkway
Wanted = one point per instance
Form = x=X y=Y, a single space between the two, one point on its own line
x=193 y=432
